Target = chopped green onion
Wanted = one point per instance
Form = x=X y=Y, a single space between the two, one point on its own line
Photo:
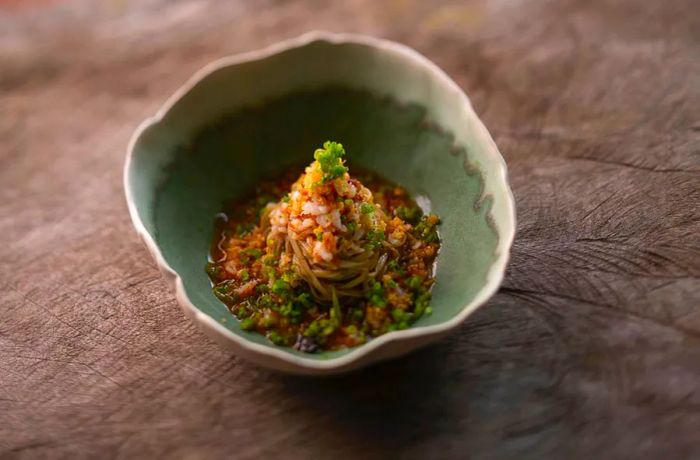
x=367 y=208
x=375 y=294
x=414 y=282
x=407 y=214
x=252 y=252
x=280 y=287
x=330 y=159
x=375 y=238
x=247 y=324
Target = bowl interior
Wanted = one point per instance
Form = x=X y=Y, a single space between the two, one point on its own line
x=399 y=141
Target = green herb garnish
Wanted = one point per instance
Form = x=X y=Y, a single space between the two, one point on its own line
x=280 y=287
x=252 y=252
x=276 y=338
x=422 y=304
x=394 y=266
x=375 y=294
x=213 y=270
x=426 y=229
x=247 y=324
x=243 y=229
x=330 y=157
x=375 y=238
x=367 y=208
x=402 y=319
x=223 y=291
x=410 y=215
x=414 y=282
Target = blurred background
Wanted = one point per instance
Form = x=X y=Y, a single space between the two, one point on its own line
x=591 y=347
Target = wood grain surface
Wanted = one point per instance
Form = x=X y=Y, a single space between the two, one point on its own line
x=591 y=349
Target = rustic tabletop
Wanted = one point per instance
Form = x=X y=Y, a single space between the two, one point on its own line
x=591 y=349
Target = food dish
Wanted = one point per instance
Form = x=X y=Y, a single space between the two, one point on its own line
x=242 y=117
x=327 y=261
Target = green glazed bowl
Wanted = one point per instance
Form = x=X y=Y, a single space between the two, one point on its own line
x=245 y=117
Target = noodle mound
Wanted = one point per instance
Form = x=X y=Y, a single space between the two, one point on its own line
x=330 y=263
x=331 y=231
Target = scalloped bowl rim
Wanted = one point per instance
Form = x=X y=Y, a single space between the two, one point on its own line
x=304 y=365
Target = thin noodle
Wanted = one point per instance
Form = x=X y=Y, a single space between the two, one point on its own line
x=221 y=249
x=348 y=276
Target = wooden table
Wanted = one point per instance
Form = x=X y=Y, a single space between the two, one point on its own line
x=590 y=350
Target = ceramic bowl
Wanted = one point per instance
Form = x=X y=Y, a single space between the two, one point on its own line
x=244 y=117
